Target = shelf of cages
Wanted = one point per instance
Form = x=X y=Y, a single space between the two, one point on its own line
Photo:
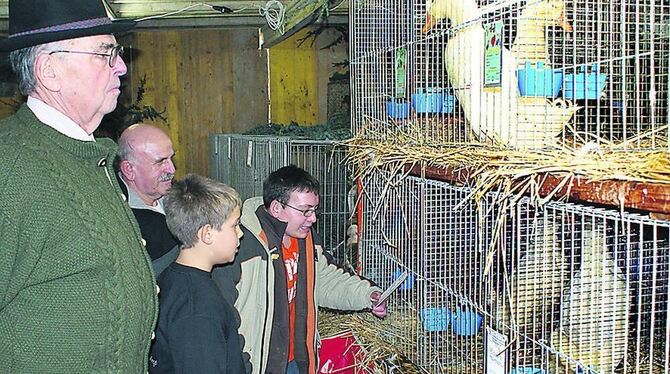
x=526 y=74
x=500 y=287
x=244 y=161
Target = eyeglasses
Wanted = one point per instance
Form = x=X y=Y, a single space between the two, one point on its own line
x=115 y=52
x=305 y=212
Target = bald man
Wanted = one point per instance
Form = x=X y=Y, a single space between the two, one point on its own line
x=145 y=171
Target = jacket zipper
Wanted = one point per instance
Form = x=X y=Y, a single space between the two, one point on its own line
x=267 y=302
x=316 y=338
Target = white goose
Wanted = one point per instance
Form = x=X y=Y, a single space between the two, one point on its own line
x=498 y=115
x=594 y=310
x=536 y=284
x=539 y=279
x=530 y=43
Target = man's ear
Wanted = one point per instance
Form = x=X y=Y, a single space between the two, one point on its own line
x=205 y=234
x=127 y=170
x=275 y=208
x=46 y=72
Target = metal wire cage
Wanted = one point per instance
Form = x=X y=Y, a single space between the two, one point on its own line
x=500 y=287
x=524 y=74
x=244 y=161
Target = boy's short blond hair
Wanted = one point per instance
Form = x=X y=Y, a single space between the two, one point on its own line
x=196 y=201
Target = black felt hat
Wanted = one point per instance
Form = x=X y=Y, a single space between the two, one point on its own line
x=33 y=22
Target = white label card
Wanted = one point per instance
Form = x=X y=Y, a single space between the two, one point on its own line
x=495 y=357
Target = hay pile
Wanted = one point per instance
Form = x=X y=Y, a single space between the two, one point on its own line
x=381 y=339
x=510 y=172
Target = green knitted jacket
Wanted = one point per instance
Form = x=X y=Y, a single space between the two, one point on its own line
x=77 y=293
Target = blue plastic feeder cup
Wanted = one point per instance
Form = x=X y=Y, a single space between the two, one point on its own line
x=397 y=110
x=427 y=102
x=466 y=323
x=435 y=319
x=539 y=81
x=528 y=370
x=584 y=85
x=447 y=103
x=408 y=283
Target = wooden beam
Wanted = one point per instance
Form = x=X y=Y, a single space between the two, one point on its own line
x=299 y=13
x=653 y=198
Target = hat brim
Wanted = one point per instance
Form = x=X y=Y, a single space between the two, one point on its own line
x=29 y=40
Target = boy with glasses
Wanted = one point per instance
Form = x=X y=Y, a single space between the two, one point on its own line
x=282 y=275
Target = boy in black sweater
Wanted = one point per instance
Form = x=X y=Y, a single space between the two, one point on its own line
x=197 y=328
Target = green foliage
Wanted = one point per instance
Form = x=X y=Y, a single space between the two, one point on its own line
x=314 y=33
x=337 y=76
x=337 y=128
x=124 y=115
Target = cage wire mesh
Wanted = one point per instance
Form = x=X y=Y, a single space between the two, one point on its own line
x=244 y=161
x=512 y=288
x=391 y=245
x=525 y=74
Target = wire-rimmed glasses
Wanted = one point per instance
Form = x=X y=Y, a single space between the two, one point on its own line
x=305 y=212
x=115 y=52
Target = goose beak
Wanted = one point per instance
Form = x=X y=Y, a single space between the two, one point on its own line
x=563 y=23
x=430 y=22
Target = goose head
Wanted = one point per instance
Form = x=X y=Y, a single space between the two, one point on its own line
x=549 y=11
x=456 y=11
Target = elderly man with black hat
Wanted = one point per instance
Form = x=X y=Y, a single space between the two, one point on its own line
x=77 y=293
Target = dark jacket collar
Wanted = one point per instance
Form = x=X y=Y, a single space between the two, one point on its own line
x=274 y=229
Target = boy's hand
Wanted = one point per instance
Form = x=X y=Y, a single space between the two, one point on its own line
x=378 y=310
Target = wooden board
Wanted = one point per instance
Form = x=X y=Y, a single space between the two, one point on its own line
x=208 y=81
x=299 y=77
x=293 y=82
x=653 y=198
